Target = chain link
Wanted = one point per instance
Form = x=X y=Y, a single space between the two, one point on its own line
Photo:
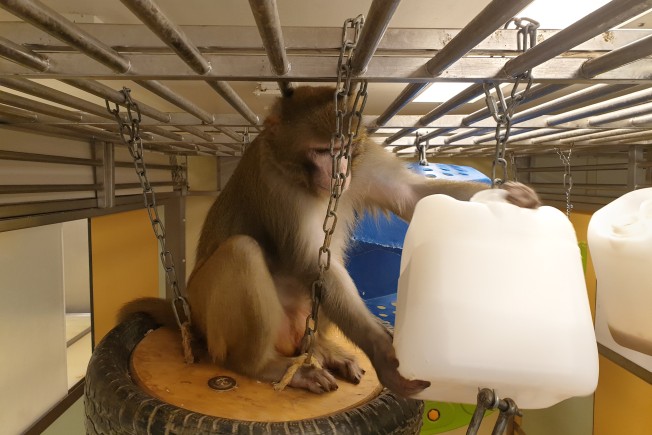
x=568 y=176
x=130 y=134
x=348 y=121
x=500 y=108
x=422 y=148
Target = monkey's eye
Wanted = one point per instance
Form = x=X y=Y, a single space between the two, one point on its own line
x=322 y=151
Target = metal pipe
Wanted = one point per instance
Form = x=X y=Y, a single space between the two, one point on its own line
x=47 y=188
x=154 y=18
x=265 y=13
x=642 y=109
x=375 y=25
x=562 y=135
x=596 y=135
x=234 y=100
x=466 y=95
x=51 y=22
x=23 y=55
x=580 y=97
x=619 y=138
x=36 y=106
x=159 y=89
x=603 y=107
x=20 y=113
x=492 y=17
x=492 y=137
x=616 y=58
x=107 y=93
x=601 y=20
x=599 y=167
x=199 y=133
x=44 y=158
x=468 y=133
x=642 y=121
x=38 y=90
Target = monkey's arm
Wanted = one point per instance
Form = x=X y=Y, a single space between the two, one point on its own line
x=343 y=306
x=383 y=181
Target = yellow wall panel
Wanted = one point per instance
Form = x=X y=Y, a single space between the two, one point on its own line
x=622 y=402
x=124 y=264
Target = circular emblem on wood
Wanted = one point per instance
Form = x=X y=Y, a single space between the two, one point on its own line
x=222 y=383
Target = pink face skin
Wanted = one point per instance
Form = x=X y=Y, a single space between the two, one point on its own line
x=321 y=158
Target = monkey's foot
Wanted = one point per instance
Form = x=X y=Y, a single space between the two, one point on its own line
x=346 y=367
x=317 y=380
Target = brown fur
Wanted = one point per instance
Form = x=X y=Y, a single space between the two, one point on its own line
x=257 y=254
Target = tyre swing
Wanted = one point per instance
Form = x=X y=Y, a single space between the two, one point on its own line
x=139 y=381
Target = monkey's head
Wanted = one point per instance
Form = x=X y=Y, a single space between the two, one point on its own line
x=299 y=130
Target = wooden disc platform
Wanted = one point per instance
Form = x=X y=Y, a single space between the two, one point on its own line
x=157 y=366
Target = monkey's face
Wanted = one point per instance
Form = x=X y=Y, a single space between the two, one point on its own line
x=300 y=128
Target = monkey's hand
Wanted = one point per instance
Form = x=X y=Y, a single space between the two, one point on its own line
x=314 y=379
x=521 y=195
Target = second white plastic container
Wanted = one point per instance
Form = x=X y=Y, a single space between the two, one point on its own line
x=493 y=295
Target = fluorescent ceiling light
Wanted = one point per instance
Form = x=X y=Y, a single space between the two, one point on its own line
x=442 y=91
x=559 y=14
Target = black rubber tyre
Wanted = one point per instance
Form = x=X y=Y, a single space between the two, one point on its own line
x=114 y=405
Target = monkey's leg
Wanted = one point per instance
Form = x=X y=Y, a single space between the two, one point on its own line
x=337 y=360
x=345 y=308
x=234 y=303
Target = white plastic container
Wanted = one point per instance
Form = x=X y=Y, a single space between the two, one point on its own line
x=620 y=239
x=493 y=295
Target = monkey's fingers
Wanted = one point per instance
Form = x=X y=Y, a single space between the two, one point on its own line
x=521 y=195
x=347 y=368
x=316 y=380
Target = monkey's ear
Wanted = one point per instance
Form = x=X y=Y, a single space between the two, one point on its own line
x=272 y=120
x=288 y=92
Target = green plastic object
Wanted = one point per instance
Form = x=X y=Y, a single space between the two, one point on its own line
x=439 y=417
x=583 y=250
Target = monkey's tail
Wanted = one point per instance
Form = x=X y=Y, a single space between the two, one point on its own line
x=159 y=309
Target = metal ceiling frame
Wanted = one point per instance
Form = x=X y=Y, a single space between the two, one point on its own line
x=615 y=112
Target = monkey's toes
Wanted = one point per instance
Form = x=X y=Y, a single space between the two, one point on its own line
x=314 y=379
x=348 y=369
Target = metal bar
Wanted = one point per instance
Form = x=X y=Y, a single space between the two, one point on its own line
x=234 y=99
x=319 y=68
x=466 y=134
x=621 y=138
x=465 y=96
x=35 y=106
x=594 y=135
x=51 y=22
x=152 y=16
x=618 y=57
x=246 y=39
x=107 y=93
x=7 y=189
x=579 y=97
x=44 y=158
x=106 y=173
x=614 y=187
x=642 y=109
x=602 y=107
x=536 y=92
x=642 y=121
x=265 y=13
x=378 y=18
x=156 y=20
x=487 y=21
x=578 y=168
x=562 y=135
x=38 y=90
x=19 y=113
x=23 y=55
x=601 y=20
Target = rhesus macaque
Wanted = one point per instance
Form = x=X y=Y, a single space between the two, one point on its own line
x=257 y=256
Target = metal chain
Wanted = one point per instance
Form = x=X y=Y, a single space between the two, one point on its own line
x=422 y=148
x=512 y=162
x=568 y=177
x=348 y=120
x=501 y=109
x=130 y=134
